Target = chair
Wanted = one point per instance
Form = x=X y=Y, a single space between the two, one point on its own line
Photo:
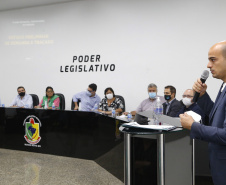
x=73 y=104
x=62 y=101
x=35 y=99
x=123 y=102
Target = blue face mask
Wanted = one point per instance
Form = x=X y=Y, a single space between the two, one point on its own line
x=88 y=93
x=152 y=95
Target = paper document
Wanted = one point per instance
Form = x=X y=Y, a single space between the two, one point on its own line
x=152 y=127
x=194 y=115
x=122 y=117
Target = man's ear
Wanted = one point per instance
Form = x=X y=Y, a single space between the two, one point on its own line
x=174 y=95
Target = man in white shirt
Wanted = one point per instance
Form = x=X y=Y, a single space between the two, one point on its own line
x=22 y=100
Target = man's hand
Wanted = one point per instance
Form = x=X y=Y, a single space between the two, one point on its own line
x=186 y=121
x=76 y=108
x=199 y=87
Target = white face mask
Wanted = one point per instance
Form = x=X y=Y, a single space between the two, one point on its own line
x=109 y=96
x=186 y=101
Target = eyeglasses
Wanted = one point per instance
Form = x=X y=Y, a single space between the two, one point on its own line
x=188 y=96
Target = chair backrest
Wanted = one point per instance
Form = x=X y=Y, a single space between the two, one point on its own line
x=73 y=104
x=123 y=102
x=35 y=99
x=62 y=101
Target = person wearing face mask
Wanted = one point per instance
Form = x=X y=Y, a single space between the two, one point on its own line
x=149 y=103
x=172 y=105
x=87 y=99
x=109 y=102
x=22 y=100
x=189 y=105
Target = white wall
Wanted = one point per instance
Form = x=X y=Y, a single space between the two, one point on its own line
x=164 y=42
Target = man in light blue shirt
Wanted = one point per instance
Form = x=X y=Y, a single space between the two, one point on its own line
x=87 y=99
x=22 y=100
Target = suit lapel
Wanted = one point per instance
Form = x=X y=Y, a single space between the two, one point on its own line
x=164 y=108
x=171 y=104
x=218 y=101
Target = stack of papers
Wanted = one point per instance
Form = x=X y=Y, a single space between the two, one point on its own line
x=152 y=127
x=122 y=117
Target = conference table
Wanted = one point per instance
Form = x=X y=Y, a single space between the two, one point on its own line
x=94 y=136
x=78 y=134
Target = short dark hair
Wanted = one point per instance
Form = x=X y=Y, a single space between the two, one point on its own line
x=20 y=87
x=93 y=87
x=107 y=89
x=172 y=89
x=49 y=87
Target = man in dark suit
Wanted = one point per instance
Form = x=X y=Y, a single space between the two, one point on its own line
x=172 y=106
x=189 y=105
x=215 y=132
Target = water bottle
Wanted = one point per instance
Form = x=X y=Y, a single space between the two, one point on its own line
x=95 y=107
x=158 y=111
x=53 y=106
x=113 y=113
x=45 y=107
x=129 y=117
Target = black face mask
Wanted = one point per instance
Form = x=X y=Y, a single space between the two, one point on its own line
x=167 y=97
x=22 y=94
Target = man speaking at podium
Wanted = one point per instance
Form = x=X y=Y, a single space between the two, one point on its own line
x=215 y=132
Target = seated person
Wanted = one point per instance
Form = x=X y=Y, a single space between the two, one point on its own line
x=149 y=103
x=50 y=98
x=190 y=105
x=22 y=100
x=87 y=99
x=172 y=106
x=109 y=102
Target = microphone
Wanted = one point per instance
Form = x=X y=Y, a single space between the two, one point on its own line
x=204 y=76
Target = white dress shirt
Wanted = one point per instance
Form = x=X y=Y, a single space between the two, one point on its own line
x=26 y=101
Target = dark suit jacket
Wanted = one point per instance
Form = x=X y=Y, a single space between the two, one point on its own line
x=195 y=108
x=215 y=134
x=174 y=108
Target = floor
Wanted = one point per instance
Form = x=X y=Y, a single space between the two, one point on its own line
x=27 y=168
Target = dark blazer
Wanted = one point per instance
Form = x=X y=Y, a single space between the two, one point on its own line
x=215 y=134
x=174 y=108
x=195 y=108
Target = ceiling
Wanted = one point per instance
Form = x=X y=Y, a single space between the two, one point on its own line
x=18 y=4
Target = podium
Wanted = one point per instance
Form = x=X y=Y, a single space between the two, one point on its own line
x=175 y=155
